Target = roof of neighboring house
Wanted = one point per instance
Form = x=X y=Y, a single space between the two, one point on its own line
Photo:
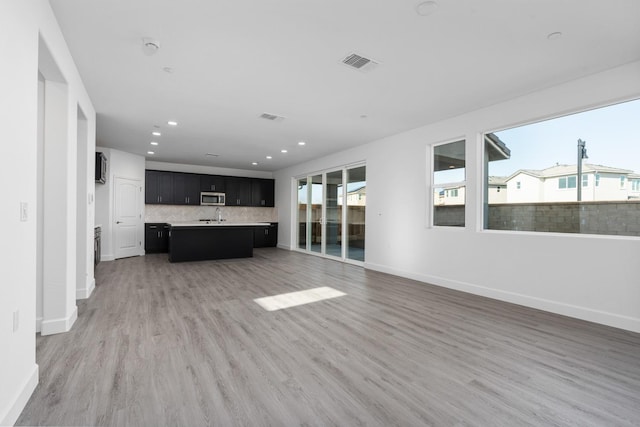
x=564 y=170
x=498 y=180
x=361 y=190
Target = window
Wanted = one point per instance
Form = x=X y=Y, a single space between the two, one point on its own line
x=448 y=184
x=545 y=156
x=567 y=182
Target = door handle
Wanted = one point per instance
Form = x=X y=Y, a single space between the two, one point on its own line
x=118 y=222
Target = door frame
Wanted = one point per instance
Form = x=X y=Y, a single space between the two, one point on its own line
x=344 y=214
x=139 y=213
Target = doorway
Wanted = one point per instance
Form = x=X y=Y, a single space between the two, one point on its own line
x=128 y=217
x=331 y=210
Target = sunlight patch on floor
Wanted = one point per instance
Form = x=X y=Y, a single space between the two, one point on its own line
x=293 y=299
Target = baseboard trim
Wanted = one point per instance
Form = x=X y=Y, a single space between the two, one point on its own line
x=107 y=257
x=13 y=412
x=86 y=292
x=38 y=324
x=597 y=316
x=286 y=247
x=58 y=326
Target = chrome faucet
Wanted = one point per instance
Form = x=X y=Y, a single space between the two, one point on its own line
x=218 y=215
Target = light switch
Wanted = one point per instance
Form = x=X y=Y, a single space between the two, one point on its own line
x=16 y=320
x=24 y=211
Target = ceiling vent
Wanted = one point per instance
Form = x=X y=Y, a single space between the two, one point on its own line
x=272 y=117
x=360 y=63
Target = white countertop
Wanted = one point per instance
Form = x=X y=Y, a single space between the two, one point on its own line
x=217 y=224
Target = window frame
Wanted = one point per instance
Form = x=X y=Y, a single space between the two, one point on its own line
x=431 y=152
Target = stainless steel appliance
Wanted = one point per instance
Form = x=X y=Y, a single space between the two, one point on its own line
x=208 y=198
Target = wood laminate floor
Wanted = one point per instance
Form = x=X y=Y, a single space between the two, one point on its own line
x=185 y=345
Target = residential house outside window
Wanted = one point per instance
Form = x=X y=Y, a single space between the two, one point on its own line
x=536 y=166
x=448 y=184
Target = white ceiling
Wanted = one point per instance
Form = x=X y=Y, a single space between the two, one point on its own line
x=234 y=60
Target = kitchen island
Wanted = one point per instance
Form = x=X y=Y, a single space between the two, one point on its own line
x=208 y=240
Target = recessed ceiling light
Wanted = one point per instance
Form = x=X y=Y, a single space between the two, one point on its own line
x=213 y=155
x=254 y=163
x=156 y=133
x=150 y=152
x=172 y=123
x=426 y=8
x=154 y=143
x=283 y=151
x=554 y=36
x=156 y=126
x=301 y=143
x=269 y=157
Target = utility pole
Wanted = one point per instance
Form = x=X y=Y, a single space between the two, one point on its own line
x=582 y=154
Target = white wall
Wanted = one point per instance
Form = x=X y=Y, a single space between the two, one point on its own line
x=121 y=165
x=589 y=277
x=21 y=23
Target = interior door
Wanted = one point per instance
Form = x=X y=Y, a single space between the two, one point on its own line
x=127 y=217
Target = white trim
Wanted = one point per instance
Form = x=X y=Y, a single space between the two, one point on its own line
x=15 y=409
x=38 y=325
x=597 y=316
x=84 y=293
x=107 y=257
x=57 y=326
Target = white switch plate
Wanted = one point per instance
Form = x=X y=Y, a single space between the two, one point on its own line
x=16 y=320
x=24 y=211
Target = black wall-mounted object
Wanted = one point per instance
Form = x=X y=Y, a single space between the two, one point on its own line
x=101 y=168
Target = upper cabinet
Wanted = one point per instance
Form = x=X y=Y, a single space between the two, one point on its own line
x=212 y=183
x=186 y=188
x=158 y=187
x=238 y=191
x=177 y=188
x=262 y=192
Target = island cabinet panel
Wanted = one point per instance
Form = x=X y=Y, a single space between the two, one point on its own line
x=186 y=188
x=158 y=187
x=156 y=237
x=238 y=191
x=207 y=243
x=265 y=236
x=213 y=183
x=262 y=193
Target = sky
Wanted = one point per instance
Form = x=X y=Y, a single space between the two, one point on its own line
x=612 y=136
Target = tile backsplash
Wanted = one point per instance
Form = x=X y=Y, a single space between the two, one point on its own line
x=176 y=213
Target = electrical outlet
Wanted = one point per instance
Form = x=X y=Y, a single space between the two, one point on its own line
x=16 y=320
x=24 y=211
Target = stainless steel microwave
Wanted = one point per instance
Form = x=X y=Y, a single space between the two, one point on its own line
x=208 y=198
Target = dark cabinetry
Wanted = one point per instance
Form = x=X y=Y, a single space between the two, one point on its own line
x=212 y=183
x=177 y=188
x=158 y=187
x=186 y=189
x=238 y=191
x=262 y=192
x=156 y=237
x=265 y=236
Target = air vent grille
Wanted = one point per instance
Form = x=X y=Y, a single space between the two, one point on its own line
x=359 y=62
x=272 y=117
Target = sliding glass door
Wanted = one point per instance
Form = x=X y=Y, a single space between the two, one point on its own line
x=331 y=213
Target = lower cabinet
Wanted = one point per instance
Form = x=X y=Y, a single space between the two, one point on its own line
x=156 y=237
x=265 y=236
